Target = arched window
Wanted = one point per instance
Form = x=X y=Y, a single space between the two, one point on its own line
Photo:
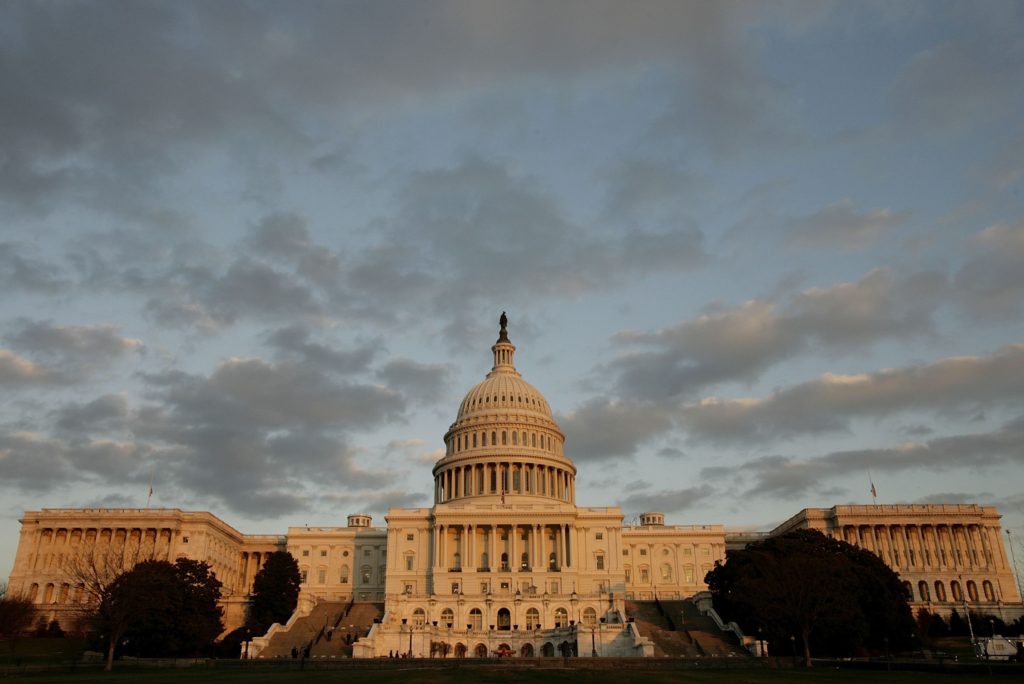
x=990 y=594
x=666 y=572
x=957 y=591
x=460 y=650
x=526 y=651
x=515 y=438
x=33 y=592
x=524 y=437
x=548 y=650
x=532 y=618
x=589 y=616
x=552 y=561
x=474 y=440
x=494 y=438
x=909 y=590
x=504 y=619
x=940 y=591
x=524 y=561
x=476 y=619
x=504 y=438
x=922 y=591
x=561 y=617
x=483 y=438
x=533 y=440
x=419 y=618
x=972 y=591
x=504 y=562
x=344 y=574
x=480 y=651
x=447 y=617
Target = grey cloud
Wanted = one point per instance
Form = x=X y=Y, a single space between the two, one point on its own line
x=739 y=343
x=666 y=501
x=20 y=271
x=280 y=235
x=831 y=402
x=483 y=227
x=80 y=349
x=16 y=371
x=785 y=477
x=294 y=340
x=106 y=414
x=422 y=381
x=602 y=429
x=990 y=284
x=378 y=502
x=121 y=93
x=32 y=462
x=840 y=226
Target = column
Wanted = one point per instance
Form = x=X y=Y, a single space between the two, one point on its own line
x=513 y=558
x=561 y=546
x=492 y=557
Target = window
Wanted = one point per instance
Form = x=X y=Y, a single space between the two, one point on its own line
x=323 y=553
x=410 y=537
x=600 y=561
x=599 y=535
x=408 y=589
x=305 y=552
x=344 y=574
x=484 y=587
x=643 y=552
x=476 y=619
x=344 y=554
x=629 y=574
x=940 y=592
x=322 y=576
x=410 y=561
x=366 y=574
x=625 y=552
x=589 y=616
x=561 y=617
x=455 y=587
x=304 y=575
x=366 y=552
x=532 y=618
x=447 y=617
x=922 y=591
x=645 y=576
x=419 y=618
x=666 y=572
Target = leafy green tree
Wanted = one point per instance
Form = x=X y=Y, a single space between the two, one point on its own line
x=275 y=592
x=831 y=597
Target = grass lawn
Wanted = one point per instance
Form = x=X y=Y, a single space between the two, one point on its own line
x=195 y=675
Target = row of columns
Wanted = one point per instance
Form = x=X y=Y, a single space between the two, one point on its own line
x=930 y=546
x=507 y=477
x=471 y=541
x=472 y=439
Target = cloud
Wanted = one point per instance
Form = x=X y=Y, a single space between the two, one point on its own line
x=421 y=381
x=839 y=226
x=107 y=414
x=602 y=429
x=78 y=350
x=293 y=341
x=666 y=501
x=990 y=284
x=16 y=371
x=20 y=271
x=741 y=342
x=829 y=403
x=786 y=477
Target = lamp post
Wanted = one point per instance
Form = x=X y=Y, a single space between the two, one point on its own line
x=593 y=642
x=792 y=647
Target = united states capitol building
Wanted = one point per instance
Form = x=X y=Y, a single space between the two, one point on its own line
x=504 y=554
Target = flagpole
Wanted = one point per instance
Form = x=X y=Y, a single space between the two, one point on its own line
x=874 y=492
x=150 y=495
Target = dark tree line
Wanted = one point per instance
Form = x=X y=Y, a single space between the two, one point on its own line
x=821 y=595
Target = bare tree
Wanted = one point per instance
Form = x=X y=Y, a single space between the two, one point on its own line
x=94 y=570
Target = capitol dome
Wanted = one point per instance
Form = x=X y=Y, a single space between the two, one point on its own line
x=504 y=441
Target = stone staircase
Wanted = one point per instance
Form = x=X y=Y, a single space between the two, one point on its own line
x=678 y=629
x=328 y=631
x=352 y=624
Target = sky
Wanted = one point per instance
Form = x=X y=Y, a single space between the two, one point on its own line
x=755 y=255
